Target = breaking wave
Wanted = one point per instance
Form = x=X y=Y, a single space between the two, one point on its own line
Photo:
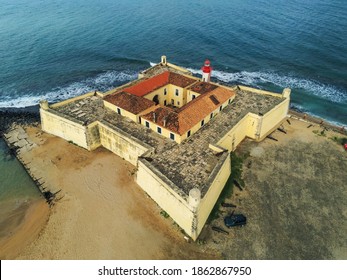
x=259 y=79
x=102 y=82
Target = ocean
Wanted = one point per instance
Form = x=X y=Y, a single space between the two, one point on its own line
x=60 y=48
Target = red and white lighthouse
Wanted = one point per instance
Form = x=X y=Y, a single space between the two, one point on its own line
x=206 y=71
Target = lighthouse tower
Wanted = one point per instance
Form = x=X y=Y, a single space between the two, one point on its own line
x=206 y=71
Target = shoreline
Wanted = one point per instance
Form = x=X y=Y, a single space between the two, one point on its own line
x=49 y=227
x=99 y=217
x=33 y=219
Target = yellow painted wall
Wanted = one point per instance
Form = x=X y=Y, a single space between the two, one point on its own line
x=274 y=117
x=179 y=100
x=234 y=137
x=124 y=113
x=164 y=131
x=93 y=136
x=120 y=143
x=209 y=200
x=160 y=93
x=64 y=128
x=171 y=202
x=254 y=126
x=190 y=94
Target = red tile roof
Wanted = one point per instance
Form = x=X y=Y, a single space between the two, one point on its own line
x=147 y=86
x=192 y=113
x=129 y=102
x=179 y=121
x=180 y=80
x=202 y=87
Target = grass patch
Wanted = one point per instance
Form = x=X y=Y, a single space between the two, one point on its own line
x=319 y=133
x=72 y=142
x=164 y=214
x=339 y=140
x=236 y=174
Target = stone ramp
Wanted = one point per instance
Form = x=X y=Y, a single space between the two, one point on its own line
x=20 y=143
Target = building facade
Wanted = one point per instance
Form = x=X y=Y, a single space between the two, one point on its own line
x=177 y=129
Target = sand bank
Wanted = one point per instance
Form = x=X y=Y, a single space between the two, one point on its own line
x=294 y=199
x=103 y=214
x=22 y=227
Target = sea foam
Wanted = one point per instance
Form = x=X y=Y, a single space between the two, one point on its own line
x=102 y=82
x=259 y=79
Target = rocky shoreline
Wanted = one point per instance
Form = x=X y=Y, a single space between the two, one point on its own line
x=21 y=116
x=12 y=122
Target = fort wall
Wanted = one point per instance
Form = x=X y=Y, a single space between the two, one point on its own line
x=67 y=128
x=93 y=136
x=235 y=136
x=273 y=118
x=215 y=185
x=121 y=143
x=166 y=194
x=190 y=212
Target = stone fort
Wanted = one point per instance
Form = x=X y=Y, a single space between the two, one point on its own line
x=177 y=129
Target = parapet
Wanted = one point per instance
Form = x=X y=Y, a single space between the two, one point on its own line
x=194 y=197
x=286 y=92
x=44 y=104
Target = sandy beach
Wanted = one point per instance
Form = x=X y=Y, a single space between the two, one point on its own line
x=294 y=212
x=26 y=222
x=103 y=214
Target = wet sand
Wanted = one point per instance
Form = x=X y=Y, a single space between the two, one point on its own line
x=22 y=226
x=294 y=198
x=103 y=214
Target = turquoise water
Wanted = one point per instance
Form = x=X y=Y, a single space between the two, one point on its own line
x=17 y=191
x=59 y=49
x=18 y=183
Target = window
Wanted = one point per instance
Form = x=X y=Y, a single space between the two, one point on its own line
x=193 y=96
x=164 y=102
x=202 y=122
x=188 y=134
x=211 y=115
x=178 y=103
x=147 y=124
x=159 y=130
x=119 y=111
x=220 y=108
x=165 y=91
x=177 y=92
x=172 y=136
x=172 y=102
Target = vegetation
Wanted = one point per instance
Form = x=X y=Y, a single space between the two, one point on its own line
x=164 y=214
x=236 y=174
x=72 y=142
x=319 y=133
x=339 y=140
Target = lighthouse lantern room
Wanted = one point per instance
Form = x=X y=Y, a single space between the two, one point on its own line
x=206 y=71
